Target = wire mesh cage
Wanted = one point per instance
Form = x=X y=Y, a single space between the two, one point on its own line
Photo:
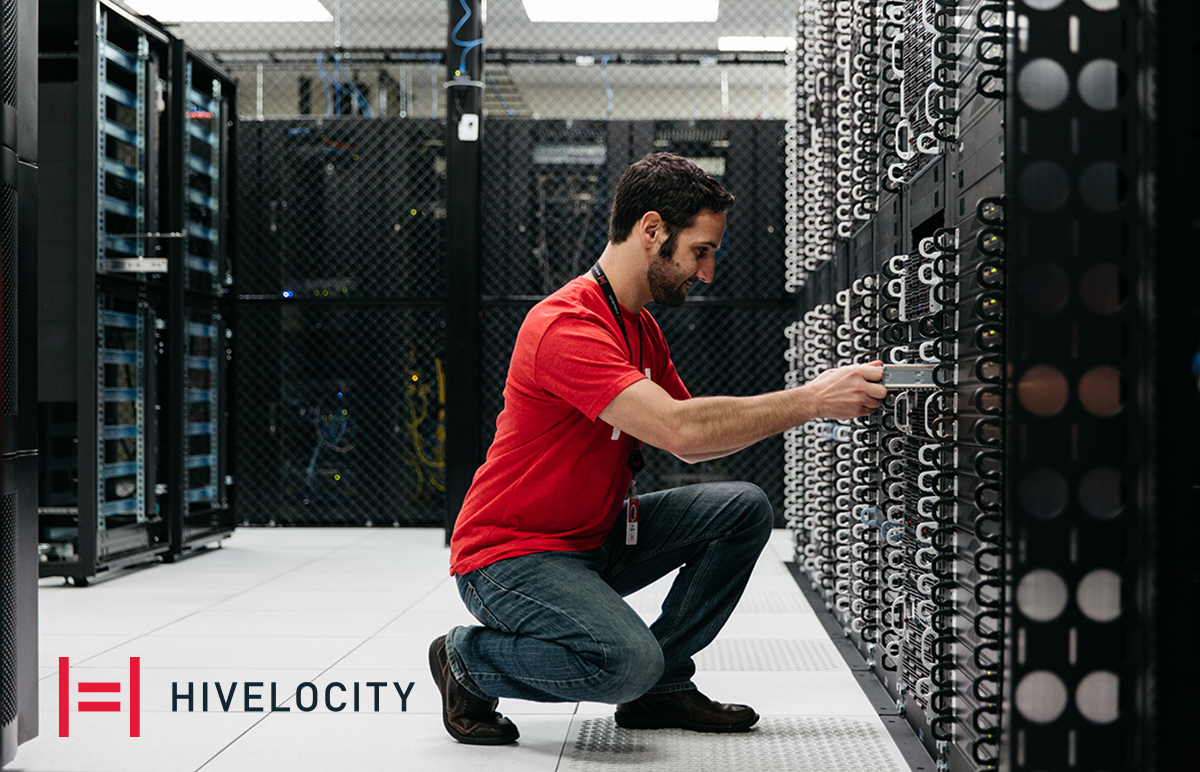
x=341 y=414
x=342 y=210
x=341 y=279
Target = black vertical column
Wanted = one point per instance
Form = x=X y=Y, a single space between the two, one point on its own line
x=18 y=376
x=174 y=219
x=1169 y=583
x=1078 y=318
x=464 y=119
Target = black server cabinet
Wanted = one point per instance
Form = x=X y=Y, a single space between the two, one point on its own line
x=341 y=294
x=199 y=148
x=18 y=376
x=104 y=77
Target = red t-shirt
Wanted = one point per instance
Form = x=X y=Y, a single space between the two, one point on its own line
x=555 y=476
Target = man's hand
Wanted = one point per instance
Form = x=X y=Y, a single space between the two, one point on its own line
x=848 y=392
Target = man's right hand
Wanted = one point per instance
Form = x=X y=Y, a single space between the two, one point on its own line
x=848 y=392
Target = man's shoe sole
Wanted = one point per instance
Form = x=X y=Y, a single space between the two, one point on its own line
x=627 y=721
x=435 y=668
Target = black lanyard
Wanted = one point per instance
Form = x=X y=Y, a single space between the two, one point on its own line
x=636 y=462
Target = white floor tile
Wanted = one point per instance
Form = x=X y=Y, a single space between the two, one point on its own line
x=373 y=579
x=772 y=626
x=390 y=653
x=108 y=620
x=100 y=742
x=285 y=623
x=435 y=622
x=230 y=652
x=288 y=605
x=78 y=648
x=262 y=599
x=320 y=742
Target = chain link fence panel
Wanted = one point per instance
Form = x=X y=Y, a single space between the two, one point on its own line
x=377 y=58
x=340 y=389
x=341 y=414
x=548 y=190
x=341 y=210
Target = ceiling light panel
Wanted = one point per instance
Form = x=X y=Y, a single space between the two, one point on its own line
x=623 y=11
x=233 y=10
x=756 y=43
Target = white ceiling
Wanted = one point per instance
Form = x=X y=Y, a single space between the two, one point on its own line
x=422 y=24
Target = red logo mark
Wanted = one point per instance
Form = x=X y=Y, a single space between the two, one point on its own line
x=100 y=706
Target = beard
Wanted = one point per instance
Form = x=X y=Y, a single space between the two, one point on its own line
x=667 y=287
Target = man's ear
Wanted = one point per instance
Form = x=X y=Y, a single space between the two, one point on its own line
x=649 y=228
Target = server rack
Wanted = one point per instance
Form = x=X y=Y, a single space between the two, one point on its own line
x=200 y=163
x=987 y=544
x=104 y=77
x=18 y=374
x=341 y=317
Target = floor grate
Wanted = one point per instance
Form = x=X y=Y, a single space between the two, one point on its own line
x=776 y=744
x=778 y=656
x=751 y=603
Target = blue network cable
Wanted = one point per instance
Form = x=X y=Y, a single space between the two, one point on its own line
x=363 y=103
x=607 y=86
x=350 y=88
x=499 y=96
x=325 y=84
x=467 y=45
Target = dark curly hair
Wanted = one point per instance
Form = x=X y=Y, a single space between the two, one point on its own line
x=665 y=183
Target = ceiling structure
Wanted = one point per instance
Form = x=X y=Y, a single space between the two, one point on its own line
x=412 y=25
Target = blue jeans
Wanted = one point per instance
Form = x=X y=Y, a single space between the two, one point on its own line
x=557 y=630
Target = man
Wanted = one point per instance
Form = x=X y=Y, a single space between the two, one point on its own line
x=546 y=545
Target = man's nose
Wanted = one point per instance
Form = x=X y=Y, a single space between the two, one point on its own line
x=706 y=268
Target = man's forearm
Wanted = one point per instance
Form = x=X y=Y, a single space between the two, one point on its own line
x=711 y=427
x=696 y=459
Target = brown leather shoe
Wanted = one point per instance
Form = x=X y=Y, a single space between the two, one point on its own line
x=684 y=710
x=468 y=719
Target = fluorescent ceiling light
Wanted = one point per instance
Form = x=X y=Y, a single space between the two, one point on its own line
x=611 y=11
x=233 y=10
x=728 y=43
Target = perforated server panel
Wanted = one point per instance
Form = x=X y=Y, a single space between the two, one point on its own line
x=18 y=376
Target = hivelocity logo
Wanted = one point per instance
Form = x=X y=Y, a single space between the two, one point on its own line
x=194 y=697
x=307 y=696
x=133 y=701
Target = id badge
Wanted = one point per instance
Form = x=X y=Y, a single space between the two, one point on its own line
x=631 y=521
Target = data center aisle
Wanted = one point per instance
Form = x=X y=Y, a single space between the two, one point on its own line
x=291 y=607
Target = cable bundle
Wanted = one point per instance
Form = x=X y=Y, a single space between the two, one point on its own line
x=990 y=50
x=864 y=169
x=817 y=443
x=891 y=97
